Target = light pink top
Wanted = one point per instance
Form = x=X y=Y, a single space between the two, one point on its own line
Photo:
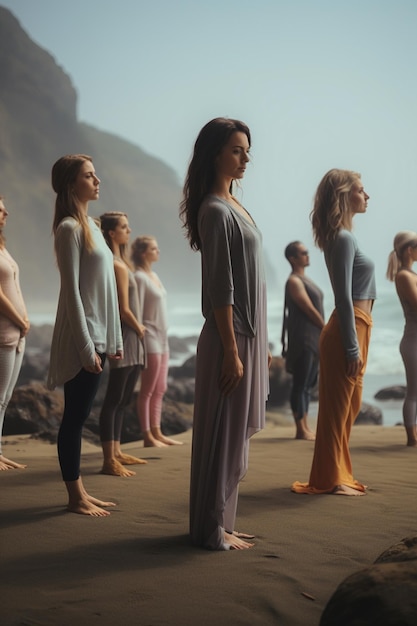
x=9 y=281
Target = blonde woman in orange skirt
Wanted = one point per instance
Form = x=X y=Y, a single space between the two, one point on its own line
x=345 y=338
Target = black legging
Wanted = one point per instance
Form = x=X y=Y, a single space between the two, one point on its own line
x=122 y=381
x=79 y=394
x=304 y=378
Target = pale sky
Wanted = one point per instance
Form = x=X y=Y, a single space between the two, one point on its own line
x=321 y=84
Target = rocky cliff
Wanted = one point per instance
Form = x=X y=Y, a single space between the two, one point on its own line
x=38 y=124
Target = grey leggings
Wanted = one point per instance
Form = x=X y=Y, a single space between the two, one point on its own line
x=408 y=349
x=122 y=381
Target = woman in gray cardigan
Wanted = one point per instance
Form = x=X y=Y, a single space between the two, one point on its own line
x=87 y=326
x=232 y=380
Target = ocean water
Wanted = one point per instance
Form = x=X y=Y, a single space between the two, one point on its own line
x=385 y=367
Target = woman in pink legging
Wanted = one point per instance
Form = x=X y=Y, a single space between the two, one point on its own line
x=152 y=299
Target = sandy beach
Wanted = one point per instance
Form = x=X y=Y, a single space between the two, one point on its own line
x=137 y=567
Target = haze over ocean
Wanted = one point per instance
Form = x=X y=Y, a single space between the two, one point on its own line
x=319 y=86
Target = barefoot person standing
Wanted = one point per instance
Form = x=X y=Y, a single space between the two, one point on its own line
x=301 y=328
x=232 y=382
x=125 y=372
x=87 y=325
x=14 y=326
x=344 y=341
x=400 y=269
x=154 y=379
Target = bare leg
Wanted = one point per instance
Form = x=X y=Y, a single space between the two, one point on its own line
x=150 y=441
x=111 y=465
x=79 y=501
x=411 y=436
x=6 y=464
x=302 y=430
x=159 y=436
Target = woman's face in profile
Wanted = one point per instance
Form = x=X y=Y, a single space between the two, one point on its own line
x=86 y=186
x=358 y=198
x=232 y=160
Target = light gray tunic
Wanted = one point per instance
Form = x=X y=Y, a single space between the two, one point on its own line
x=133 y=348
x=232 y=273
x=87 y=319
x=152 y=299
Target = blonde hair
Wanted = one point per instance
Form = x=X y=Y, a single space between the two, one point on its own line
x=64 y=174
x=402 y=241
x=331 y=210
x=138 y=249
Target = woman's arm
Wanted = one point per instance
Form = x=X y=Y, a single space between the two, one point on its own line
x=341 y=261
x=301 y=298
x=126 y=314
x=406 y=285
x=232 y=367
x=8 y=310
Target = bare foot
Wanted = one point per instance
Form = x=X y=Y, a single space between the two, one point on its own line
x=235 y=543
x=168 y=441
x=412 y=443
x=6 y=464
x=307 y=435
x=154 y=443
x=98 y=502
x=344 y=490
x=84 y=507
x=242 y=535
x=112 y=467
x=128 y=459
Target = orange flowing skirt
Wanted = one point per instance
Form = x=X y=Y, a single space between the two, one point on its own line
x=340 y=398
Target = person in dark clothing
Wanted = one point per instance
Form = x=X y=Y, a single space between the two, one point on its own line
x=302 y=324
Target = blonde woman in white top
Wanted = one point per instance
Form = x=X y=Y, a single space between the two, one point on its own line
x=152 y=299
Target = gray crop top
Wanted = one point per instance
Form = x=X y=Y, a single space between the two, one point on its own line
x=352 y=276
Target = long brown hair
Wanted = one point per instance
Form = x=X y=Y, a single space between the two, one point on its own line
x=109 y=221
x=64 y=174
x=331 y=210
x=201 y=173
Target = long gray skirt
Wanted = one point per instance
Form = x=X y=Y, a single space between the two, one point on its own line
x=222 y=427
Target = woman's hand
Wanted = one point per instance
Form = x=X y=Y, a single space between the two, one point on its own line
x=25 y=328
x=231 y=373
x=117 y=356
x=142 y=331
x=96 y=368
x=354 y=367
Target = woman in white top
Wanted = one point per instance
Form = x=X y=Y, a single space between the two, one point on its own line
x=152 y=298
x=400 y=264
x=14 y=326
x=87 y=326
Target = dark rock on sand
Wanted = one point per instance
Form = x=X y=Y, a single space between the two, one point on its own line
x=37 y=411
x=369 y=414
x=384 y=594
x=396 y=392
x=279 y=382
